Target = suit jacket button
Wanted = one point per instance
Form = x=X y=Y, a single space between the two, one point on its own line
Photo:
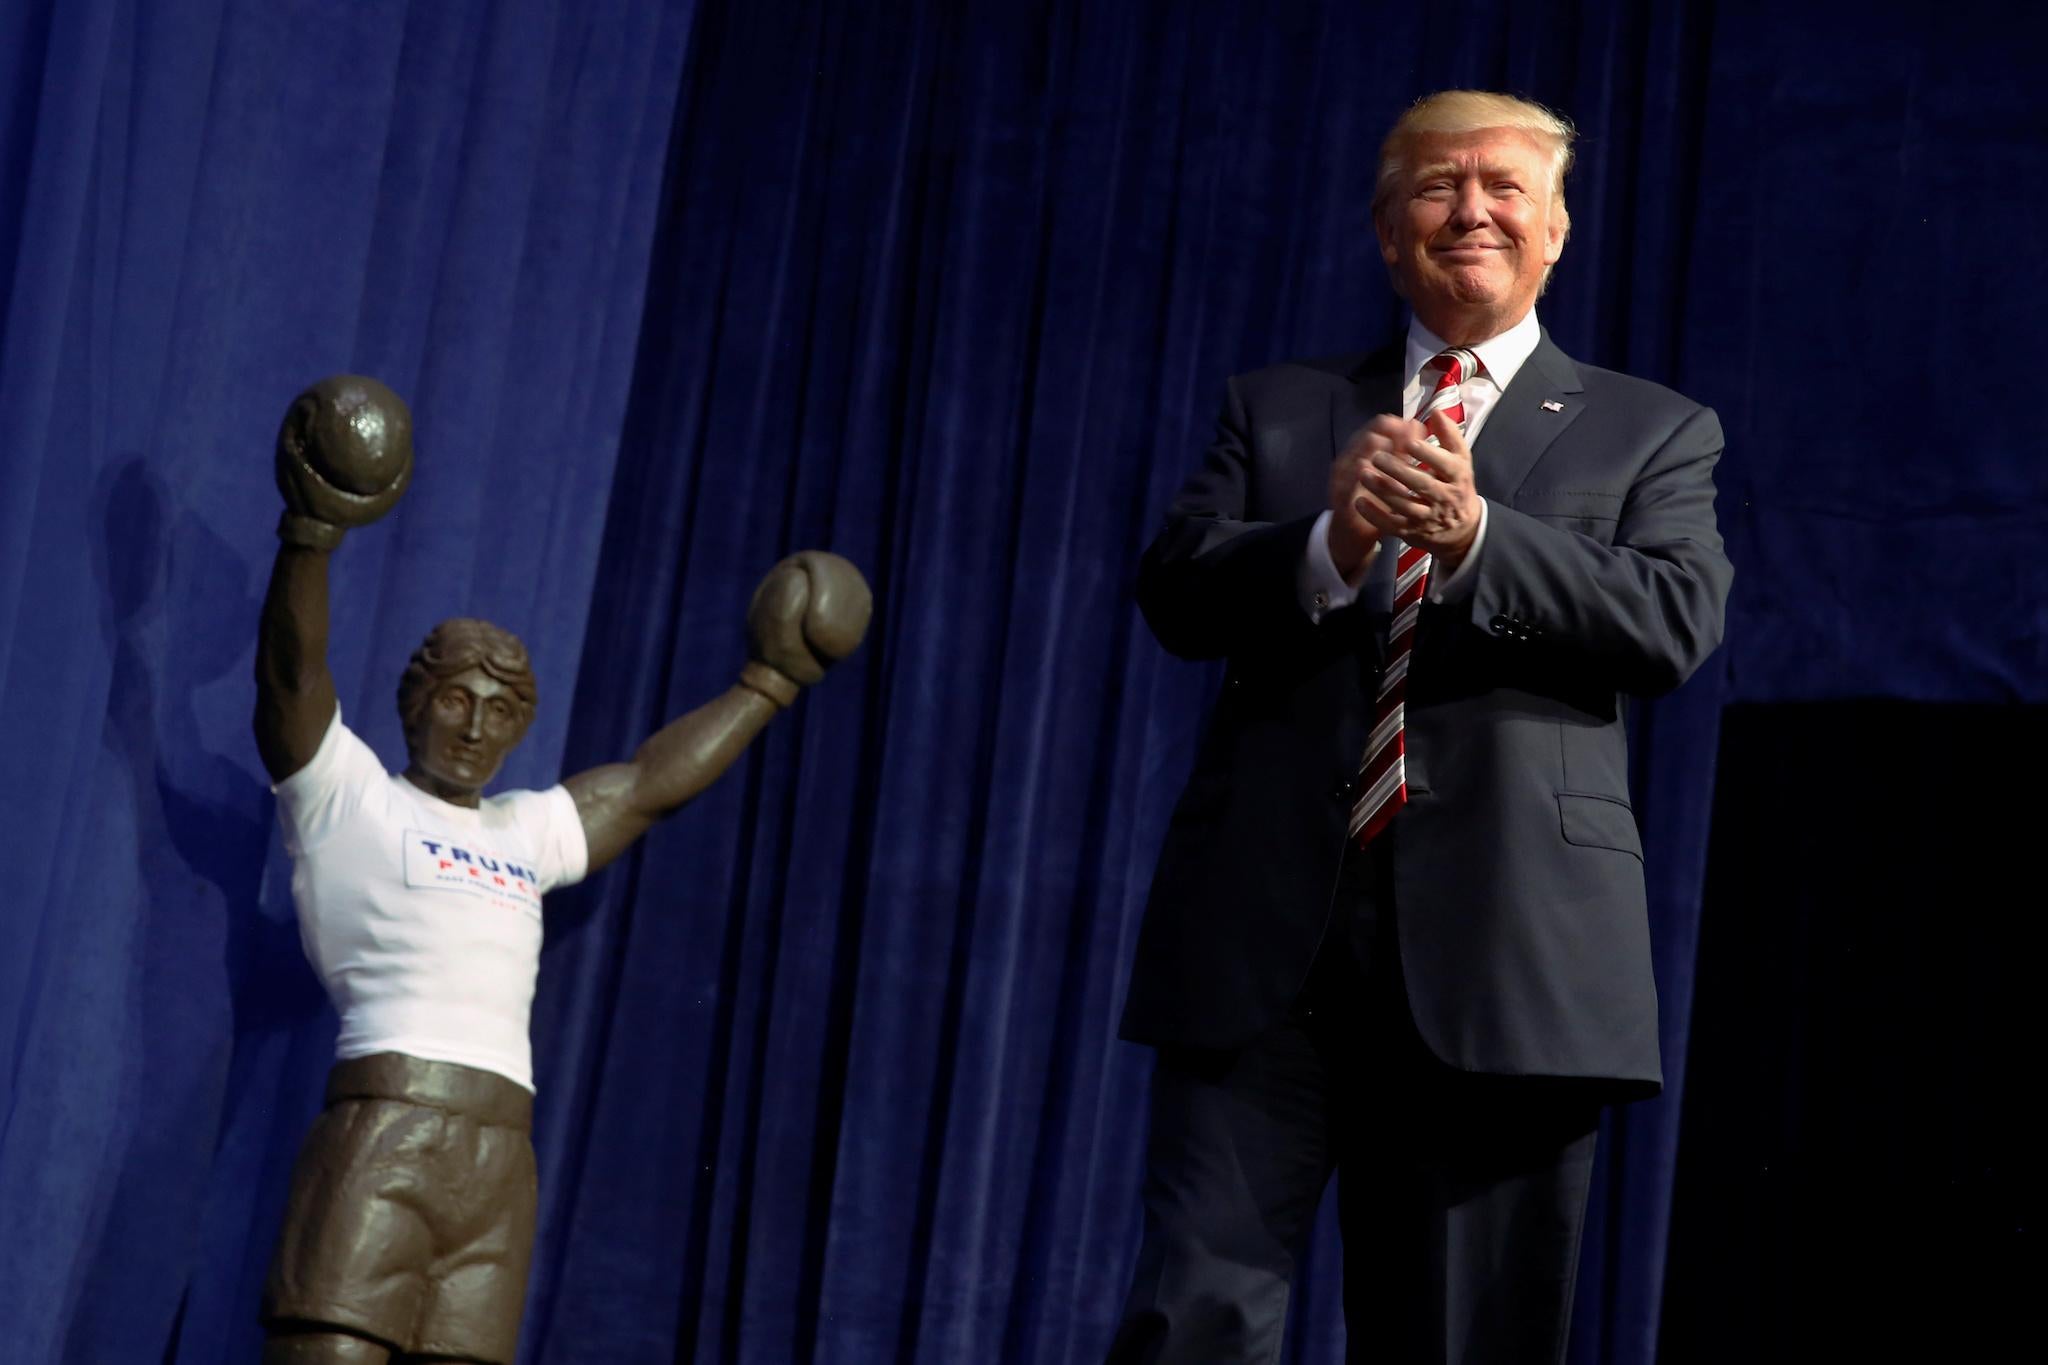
x=1501 y=625
x=1344 y=791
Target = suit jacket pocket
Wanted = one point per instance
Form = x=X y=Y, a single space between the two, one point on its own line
x=1590 y=513
x=1599 y=822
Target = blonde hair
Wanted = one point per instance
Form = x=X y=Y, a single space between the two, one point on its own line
x=1468 y=111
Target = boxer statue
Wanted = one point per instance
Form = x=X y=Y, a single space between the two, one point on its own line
x=410 y=1224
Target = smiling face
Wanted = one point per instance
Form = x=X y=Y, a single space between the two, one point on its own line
x=459 y=737
x=1470 y=229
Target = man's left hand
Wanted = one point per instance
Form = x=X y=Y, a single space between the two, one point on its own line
x=1420 y=492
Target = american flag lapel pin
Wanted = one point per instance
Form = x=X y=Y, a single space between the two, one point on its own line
x=1552 y=405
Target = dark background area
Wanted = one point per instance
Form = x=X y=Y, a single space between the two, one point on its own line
x=1857 y=1178
x=827 y=1068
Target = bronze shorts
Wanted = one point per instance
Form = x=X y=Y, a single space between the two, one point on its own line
x=412 y=1210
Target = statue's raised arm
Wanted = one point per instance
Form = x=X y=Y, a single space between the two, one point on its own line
x=344 y=456
x=809 y=612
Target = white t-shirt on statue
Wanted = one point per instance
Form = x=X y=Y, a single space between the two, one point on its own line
x=423 y=918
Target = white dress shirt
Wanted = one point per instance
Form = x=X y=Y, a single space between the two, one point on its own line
x=1321 y=588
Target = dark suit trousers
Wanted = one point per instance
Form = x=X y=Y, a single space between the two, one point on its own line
x=1460 y=1197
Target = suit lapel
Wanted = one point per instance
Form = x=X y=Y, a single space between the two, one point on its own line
x=1521 y=428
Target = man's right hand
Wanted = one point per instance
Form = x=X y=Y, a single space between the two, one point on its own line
x=1353 y=540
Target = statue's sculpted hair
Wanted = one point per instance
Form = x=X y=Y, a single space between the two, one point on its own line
x=457 y=645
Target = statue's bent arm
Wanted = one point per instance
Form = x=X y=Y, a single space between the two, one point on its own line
x=618 y=802
x=809 y=612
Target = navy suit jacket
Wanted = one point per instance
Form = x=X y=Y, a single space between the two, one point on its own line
x=1517 y=867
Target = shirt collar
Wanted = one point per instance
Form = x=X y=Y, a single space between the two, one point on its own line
x=1502 y=356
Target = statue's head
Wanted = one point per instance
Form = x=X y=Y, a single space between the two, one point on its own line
x=465 y=701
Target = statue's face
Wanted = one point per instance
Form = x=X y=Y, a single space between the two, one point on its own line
x=460 y=737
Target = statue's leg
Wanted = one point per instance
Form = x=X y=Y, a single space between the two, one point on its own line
x=474 y=1304
x=314 y=1344
x=346 y=1281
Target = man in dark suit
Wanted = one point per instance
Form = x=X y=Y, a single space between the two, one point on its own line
x=1398 y=929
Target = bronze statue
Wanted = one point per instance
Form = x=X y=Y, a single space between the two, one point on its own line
x=410 y=1224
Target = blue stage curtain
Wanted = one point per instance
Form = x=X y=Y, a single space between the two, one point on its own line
x=956 y=296
x=1846 y=285
x=827 y=1068
x=204 y=207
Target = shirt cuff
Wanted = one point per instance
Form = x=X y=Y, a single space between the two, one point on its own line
x=1320 y=587
x=1457 y=585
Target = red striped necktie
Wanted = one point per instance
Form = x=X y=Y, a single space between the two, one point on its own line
x=1383 y=780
